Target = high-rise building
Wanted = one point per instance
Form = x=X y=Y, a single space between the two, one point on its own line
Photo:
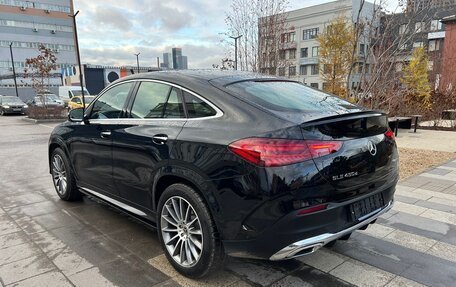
x=25 y=25
x=174 y=60
x=167 y=61
x=425 y=4
x=182 y=63
x=177 y=52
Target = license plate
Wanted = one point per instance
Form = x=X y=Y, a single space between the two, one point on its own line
x=17 y=110
x=361 y=210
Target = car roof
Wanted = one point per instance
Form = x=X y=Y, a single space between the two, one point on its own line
x=220 y=77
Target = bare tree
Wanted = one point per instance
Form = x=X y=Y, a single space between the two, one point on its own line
x=39 y=69
x=261 y=24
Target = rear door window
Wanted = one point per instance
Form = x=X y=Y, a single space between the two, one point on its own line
x=157 y=100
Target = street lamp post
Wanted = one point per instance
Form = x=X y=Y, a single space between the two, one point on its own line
x=235 y=50
x=14 y=69
x=137 y=60
x=78 y=58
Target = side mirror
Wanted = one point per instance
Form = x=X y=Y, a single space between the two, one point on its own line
x=76 y=115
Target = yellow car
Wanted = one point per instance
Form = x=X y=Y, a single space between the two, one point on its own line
x=76 y=102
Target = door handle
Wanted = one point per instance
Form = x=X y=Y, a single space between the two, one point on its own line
x=105 y=134
x=160 y=139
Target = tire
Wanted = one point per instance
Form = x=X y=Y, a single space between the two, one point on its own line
x=198 y=236
x=2 y=112
x=62 y=177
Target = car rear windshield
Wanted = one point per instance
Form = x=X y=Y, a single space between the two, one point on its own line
x=289 y=97
x=78 y=93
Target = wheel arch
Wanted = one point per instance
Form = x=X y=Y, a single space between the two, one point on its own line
x=54 y=144
x=182 y=175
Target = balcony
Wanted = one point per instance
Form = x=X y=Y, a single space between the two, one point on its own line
x=436 y=35
x=288 y=45
x=308 y=61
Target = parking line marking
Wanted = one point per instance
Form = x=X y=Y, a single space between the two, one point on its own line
x=46 y=126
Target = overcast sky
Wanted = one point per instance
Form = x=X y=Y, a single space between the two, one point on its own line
x=111 y=31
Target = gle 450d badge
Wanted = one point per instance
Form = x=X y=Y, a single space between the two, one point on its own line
x=344 y=175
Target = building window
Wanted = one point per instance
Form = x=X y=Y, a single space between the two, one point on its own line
x=292 y=71
x=362 y=49
x=303 y=70
x=403 y=47
x=282 y=54
x=418 y=44
x=282 y=72
x=288 y=37
x=292 y=54
x=37 y=26
x=430 y=65
x=419 y=27
x=315 y=51
x=310 y=33
x=434 y=45
x=436 y=25
x=314 y=85
x=314 y=69
x=30 y=4
x=304 y=52
x=402 y=29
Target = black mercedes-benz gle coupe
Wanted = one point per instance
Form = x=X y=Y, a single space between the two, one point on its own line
x=228 y=163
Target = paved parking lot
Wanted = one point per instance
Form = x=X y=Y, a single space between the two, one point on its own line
x=47 y=242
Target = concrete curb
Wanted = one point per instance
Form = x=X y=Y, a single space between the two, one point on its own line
x=27 y=119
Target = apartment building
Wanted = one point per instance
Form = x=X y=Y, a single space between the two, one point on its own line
x=25 y=25
x=425 y=4
x=448 y=78
x=422 y=29
x=300 y=48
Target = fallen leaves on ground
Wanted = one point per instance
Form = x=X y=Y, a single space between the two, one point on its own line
x=415 y=161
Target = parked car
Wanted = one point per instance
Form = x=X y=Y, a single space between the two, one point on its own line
x=12 y=105
x=76 y=102
x=229 y=163
x=66 y=93
x=50 y=100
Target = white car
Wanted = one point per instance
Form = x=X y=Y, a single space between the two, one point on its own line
x=48 y=100
x=66 y=93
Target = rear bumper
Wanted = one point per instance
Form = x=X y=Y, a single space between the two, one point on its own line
x=310 y=245
x=294 y=235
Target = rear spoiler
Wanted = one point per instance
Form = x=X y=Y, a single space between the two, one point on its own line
x=343 y=117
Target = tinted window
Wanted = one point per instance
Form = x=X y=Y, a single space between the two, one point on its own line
x=289 y=97
x=110 y=104
x=197 y=108
x=174 y=107
x=150 y=100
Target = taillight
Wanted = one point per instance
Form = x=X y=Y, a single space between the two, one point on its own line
x=312 y=209
x=279 y=152
x=390 y=134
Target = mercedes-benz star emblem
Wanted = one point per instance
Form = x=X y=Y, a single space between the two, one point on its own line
x=372 y=148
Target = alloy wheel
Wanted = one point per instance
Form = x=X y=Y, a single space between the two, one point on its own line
x=59 y=174
x=181 y=231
